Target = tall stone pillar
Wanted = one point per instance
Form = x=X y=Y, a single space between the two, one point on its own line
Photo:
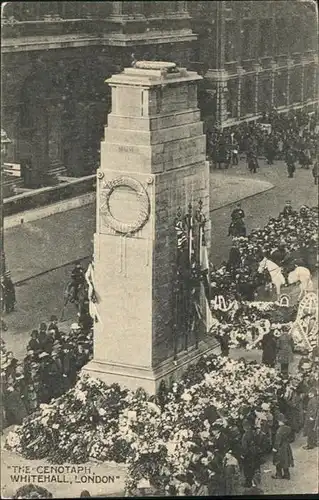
x=240 y=72
x=274 y=70
x=290 y=69
x=152 y=162
x=303 y=70
x=220 y=77
x=257 y=69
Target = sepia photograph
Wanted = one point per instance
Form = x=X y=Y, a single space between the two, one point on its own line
x=159 y=249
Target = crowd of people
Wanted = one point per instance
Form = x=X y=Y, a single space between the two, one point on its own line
x=48 y=370
x=291 y=137
x=288 y=240
x=297 y=412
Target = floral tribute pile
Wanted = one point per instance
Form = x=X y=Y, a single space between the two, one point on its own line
x=245 y=322
x=181 y=438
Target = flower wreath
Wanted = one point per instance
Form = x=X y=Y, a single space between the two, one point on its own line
x=112 y=222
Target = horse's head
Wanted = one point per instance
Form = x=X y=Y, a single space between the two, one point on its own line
x=262 y=265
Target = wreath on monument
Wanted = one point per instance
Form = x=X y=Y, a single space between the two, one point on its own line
x=119 y=226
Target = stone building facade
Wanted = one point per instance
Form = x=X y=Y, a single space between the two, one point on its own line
x=56 y=57
x=256 y=55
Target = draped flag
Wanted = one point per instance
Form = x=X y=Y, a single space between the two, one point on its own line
x=89 y=277
x=204 y=265
x=181 y=235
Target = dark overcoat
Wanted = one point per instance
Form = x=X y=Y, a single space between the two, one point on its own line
x=283 y=454
x=285 y=346
x=311 y=420
x=269 y=348
x=14 y=407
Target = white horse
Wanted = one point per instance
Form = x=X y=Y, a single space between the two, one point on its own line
x=300 y=274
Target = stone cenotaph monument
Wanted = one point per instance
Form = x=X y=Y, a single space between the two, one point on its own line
x=153 y=161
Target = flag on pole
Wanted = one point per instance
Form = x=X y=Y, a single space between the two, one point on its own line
x=204 y=265
x=181 y=235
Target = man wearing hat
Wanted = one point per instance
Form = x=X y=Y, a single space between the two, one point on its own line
x=282 y=458
x=14 y=407
x=77 y=279
x=34 y=344
x=42 y=337
x=54 y=326
x=9 y=292
x=75 y=329
x=55 y=375
x=249 y=452
x=288 y=210
x=82 y=357
x=44 y=377
x=311 y=426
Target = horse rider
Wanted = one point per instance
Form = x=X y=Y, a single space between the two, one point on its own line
x=77 y=279
x=282 y=258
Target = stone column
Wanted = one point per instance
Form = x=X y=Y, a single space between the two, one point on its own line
x=302 y=86
x=153 y=160
x=240 y=72
x=220 y=78
x=290 y=68
x=274 y=68
x=257 y=69
x=315 y=76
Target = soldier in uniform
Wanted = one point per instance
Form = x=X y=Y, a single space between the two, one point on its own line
x=237 y=213
x=77 y=279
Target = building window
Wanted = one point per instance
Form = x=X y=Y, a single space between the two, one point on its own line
x=295 y=85
x=281 y=86
x=265 y=40
x=247 y=95
x=232 y=98
x=309 y=76
x=282 y=36
x=264 y=91
x=247 y=42
x=230 y=33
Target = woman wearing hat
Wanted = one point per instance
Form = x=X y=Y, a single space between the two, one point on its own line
x=282 y=458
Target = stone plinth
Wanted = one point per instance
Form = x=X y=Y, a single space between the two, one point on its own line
x=153 y=160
